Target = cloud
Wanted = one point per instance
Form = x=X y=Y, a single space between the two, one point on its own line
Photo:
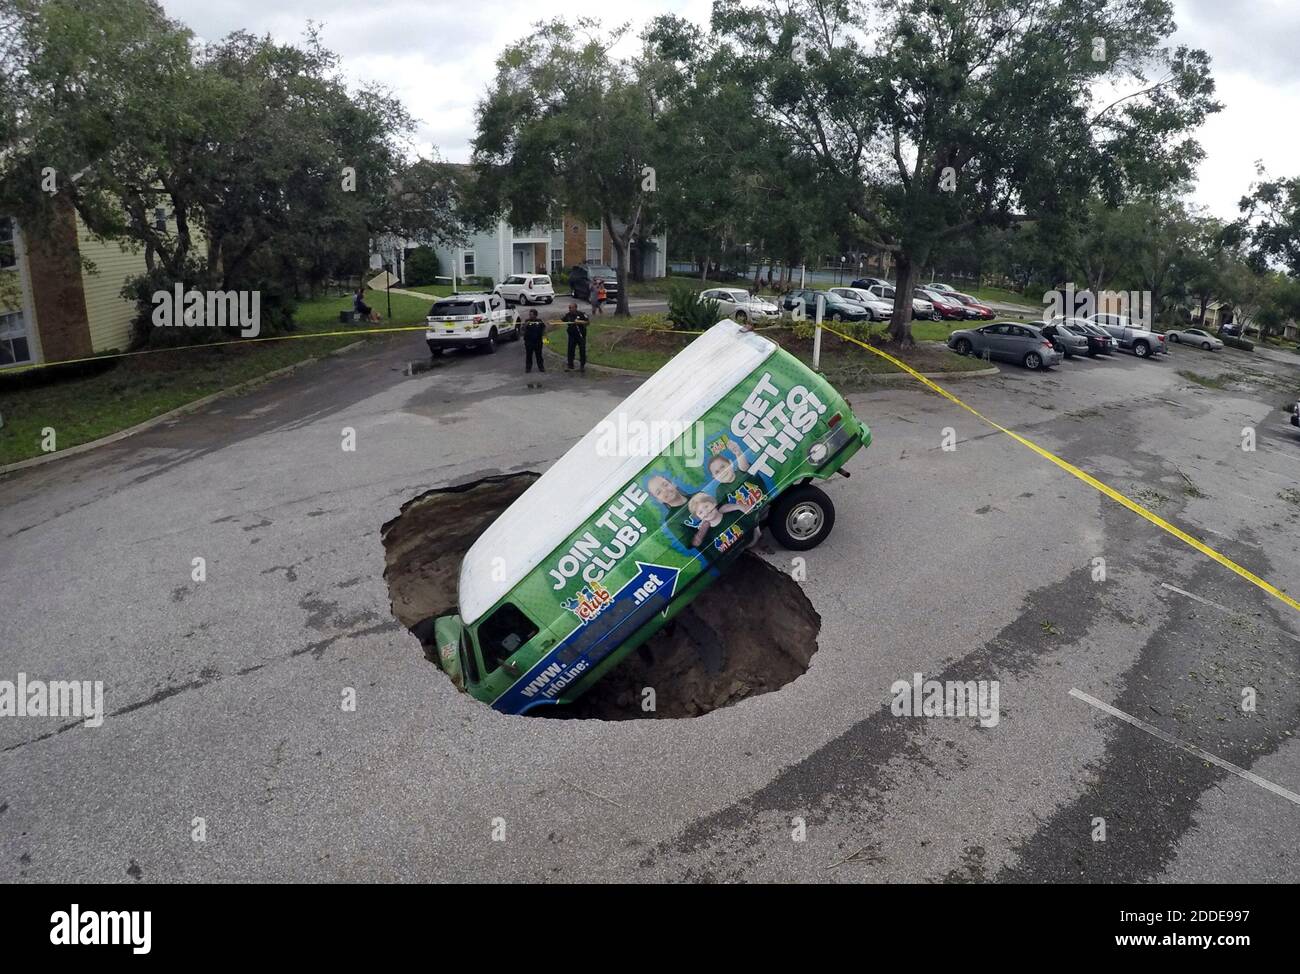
x=438 y=57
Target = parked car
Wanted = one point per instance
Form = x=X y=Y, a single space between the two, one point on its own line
x=837 y=308
x=1099 y=340
x=1295 y=414
x=947 y=307
x=867 y=282
x=526 y=289
x=582 y=275
x=1194 y=336
x=923 y=307
x=945 y=288
x=878 y=308
x=739 y=305
x=470 y=321
x=1063 y=337
x=1232 y=330
x=887 y=292
x=974 y=309
x=1139 y=341
x=1007 y=341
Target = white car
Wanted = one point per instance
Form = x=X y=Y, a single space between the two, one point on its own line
x=921 y=308
x=1194 y=336
x=471 y=321
x=945 y=288
x=527 y=289
x=739 y=305
x=878 y=308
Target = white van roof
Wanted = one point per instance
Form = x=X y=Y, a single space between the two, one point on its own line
x=583 y=481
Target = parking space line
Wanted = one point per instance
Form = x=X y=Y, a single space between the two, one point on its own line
x=1087 y=478
x=1224 y=609
x=1192 y=749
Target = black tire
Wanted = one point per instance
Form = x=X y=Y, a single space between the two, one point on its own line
x=801 y=518
x=1141 y=349
x=491 y=345
x=435 y=351
x=519 y=330
x=523 y=299
x=936 y=317
x=1205 y=345
x=963 y=346
x=1033 y=361
x=1175 y=338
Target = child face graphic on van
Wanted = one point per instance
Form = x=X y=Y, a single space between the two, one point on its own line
x=665 y=491
x=709 y=513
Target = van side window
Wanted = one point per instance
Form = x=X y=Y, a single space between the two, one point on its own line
x=503 y=632
x=468 y=659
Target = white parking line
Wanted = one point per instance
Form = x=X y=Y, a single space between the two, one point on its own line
x=1250 y=776
x=1225 y=609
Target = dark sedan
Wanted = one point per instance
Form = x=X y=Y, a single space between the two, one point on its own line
x=837 y=308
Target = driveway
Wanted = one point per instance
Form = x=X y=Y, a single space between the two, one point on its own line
x=226 y=696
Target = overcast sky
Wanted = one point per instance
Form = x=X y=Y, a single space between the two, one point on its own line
x=437 y=57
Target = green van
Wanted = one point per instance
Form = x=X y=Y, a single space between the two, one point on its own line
x=642 y=514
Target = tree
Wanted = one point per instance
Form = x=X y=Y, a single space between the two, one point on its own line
x=241 y=164
x=931 y=117
x=567 y=126
x=1270 y=222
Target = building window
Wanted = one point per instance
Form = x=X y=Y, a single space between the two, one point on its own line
x=13 y=339
x=159 y=219
x=557 y=260
x=7 y=256
x=467 y=265
x=594 y=255
x=593 y=226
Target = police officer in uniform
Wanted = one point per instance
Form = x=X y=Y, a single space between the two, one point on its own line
x=534 y=332
x=577 y=328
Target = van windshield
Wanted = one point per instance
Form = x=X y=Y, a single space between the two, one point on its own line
x=502 y=633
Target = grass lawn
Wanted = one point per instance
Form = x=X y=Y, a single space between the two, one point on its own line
x=435 y=290
x=629 y=345
x=100 y=400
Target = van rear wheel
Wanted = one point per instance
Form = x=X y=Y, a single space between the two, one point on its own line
x=802 y=518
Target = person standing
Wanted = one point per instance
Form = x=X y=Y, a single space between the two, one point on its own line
x=577 y=329
x=596 y=295
x=534 y=332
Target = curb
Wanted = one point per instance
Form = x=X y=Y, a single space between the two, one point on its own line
x=592 y=365
x=180 y=410
x=976 y=374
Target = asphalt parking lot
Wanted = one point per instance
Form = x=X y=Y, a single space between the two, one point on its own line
x=972 y=563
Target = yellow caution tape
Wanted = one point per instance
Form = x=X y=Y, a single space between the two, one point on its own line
x=1087 y=478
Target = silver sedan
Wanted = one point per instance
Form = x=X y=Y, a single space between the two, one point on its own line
x=1195 y=336
x=1007 y=341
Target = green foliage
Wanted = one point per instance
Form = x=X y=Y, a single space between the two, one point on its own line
x=271 y=174
x=688 y=311
x=1241 y=343
x=422 y=267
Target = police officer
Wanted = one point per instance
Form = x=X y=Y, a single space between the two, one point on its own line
x=577 y=336
x=534 y=332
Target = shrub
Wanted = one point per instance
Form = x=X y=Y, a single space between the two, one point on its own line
x=689 y=312
x=1241 y=343
x=422 y=267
